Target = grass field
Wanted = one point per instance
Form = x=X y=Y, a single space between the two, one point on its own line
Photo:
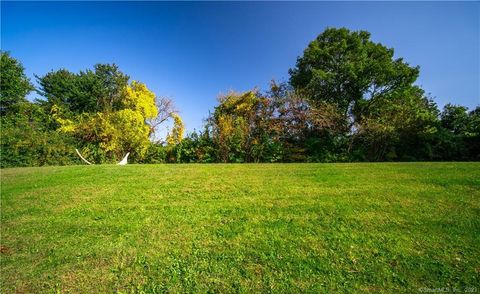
x=399 y=227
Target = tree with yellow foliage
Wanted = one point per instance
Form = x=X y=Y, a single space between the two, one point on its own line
x=108 y=135
x=175 y=137
x=140 y=99
x=233 y=124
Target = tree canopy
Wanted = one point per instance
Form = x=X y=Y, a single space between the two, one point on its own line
x=14 y=84
x=345 y=67
x=347 y=99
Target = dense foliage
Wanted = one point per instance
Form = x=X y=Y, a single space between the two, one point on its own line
x=348 y=99
x=100 y=112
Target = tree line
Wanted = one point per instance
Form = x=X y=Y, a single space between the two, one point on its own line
x=347 y=99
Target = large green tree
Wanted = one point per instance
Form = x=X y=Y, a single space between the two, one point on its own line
x=26 y=135
x=14 y=84
x=97 y=90
x=343 y=67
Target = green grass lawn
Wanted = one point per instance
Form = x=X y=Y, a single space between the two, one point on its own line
x=294 y=228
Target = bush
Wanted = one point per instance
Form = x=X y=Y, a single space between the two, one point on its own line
x=155 y=153
x=26 y=141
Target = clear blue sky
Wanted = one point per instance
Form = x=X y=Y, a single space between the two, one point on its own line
x=193 y=51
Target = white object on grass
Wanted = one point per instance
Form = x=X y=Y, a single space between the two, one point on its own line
x=124 y=160
x=88 y=162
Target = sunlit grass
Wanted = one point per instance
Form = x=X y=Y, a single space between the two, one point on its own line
x=241 y=228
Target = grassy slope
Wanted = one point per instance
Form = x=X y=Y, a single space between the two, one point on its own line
x=282 y=227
